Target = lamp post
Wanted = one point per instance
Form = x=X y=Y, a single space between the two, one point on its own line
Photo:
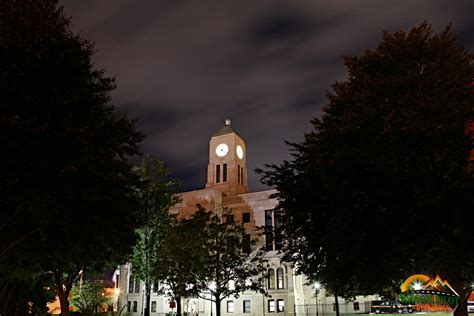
x=317 y=286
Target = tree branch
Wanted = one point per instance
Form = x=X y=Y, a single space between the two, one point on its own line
x=4 y=251
x=205 y=297
x=18 y=210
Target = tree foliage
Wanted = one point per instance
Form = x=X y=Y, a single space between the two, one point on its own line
x=67 y=185
x=176 y=257
x=225 y=260
x=37 y=290
x=155 y=194
x=87 y=296
x=380 y=188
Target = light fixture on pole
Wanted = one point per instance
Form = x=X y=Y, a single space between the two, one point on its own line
x=317 y=286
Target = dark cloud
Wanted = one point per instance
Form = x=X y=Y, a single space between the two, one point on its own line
x=182 y=67
x=193 y=175
x=466 y=35
x=153 y=118
x=280 y=27
x=307 y=99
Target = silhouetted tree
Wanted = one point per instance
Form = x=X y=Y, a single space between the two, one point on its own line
x=66 y=194
x=15 y=292
x=176 y=257
x=225 y=259
x=155 y=194
x=380 y=187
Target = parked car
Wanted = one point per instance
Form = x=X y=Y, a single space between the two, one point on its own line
x=379 y=307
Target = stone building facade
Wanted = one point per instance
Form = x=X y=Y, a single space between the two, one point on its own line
x=227 y=189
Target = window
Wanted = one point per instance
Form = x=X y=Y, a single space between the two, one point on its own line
x=280 y=282
x=271 y=306
x=333 y=307
x=224 y=173
x=242 y=176
x=269 y=218
x=247 y=243
x=229 y=218
x=153 y=307
x=245 y=217
x=238 y=173
x=269 y=230
x=137 y=286
x=129 y=306
x=155 y=287
x=230 y=306
x=131 y=284
x=271 y=279
x=273 y=235
x=277 y=219
x=280 y=305
x=356 y=306
x=218 y=173
x=268 y=241
x=278 y=235
x=135 y=306
x=230 y=243
x=246 y=306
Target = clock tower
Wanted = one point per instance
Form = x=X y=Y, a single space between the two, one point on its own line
x=227 y=169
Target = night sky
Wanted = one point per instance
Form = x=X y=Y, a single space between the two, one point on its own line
x=182 y=67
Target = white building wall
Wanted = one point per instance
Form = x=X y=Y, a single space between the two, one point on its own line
x=298 y=297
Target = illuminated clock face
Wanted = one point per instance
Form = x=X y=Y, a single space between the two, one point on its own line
x=221 y=150
x=240 y=152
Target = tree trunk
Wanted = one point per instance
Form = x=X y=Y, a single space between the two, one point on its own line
x=336 y=298
x=178 y=305
x=218 y=306
x=461 y=309
x=64 y=302
x=62 y=293
x=63 y=288
x=146 y=311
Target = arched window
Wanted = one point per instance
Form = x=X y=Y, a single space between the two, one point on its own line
x=280 y=278
x=271 y=278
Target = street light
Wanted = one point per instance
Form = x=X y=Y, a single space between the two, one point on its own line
x=317 y=286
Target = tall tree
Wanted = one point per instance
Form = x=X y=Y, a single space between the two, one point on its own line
x=177 y=256
x=156 y=197
x=226 y=260
x=388 y=162
x=67 y=185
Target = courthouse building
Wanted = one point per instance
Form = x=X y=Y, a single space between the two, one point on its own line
x=227 y=189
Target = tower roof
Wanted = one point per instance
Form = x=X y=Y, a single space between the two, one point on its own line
x=226 y=129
